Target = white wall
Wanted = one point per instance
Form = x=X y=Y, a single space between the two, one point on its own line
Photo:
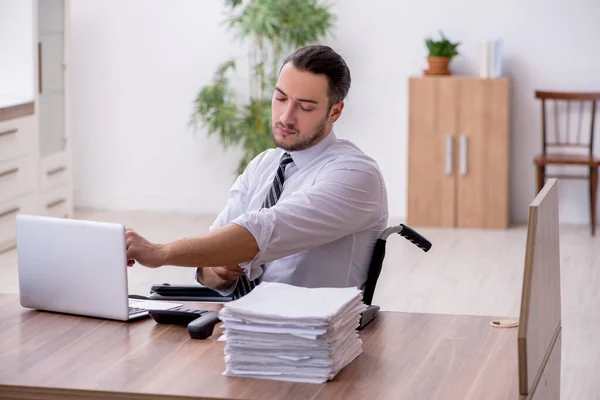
x=16 y=52
x=137 y=66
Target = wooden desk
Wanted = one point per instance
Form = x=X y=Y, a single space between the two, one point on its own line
x=405 y=356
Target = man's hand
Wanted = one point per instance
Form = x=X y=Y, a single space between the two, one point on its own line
x=218 y=277
x=229 y=273
x=149 y=254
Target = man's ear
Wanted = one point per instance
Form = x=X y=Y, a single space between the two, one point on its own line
x=336 y=111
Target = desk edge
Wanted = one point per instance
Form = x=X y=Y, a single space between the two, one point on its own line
x=20 y=392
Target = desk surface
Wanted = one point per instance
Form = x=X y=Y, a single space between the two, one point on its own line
x=405 y=356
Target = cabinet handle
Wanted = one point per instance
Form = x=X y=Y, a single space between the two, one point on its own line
x=9 y=212
x=449 y=143
x=8 y=132
x=463 y=154
x=40 y=67
x=55 y=203
x=55 y=170
x=9 y=172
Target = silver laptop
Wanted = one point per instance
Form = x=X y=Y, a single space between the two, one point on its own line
x=76 y=267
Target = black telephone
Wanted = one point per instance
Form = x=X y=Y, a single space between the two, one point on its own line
x=200 y=323
x=202 y=327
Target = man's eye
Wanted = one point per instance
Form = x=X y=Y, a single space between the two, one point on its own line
x=279 y=98
x=307 y=109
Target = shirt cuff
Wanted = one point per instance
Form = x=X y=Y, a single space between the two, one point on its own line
x=252 y=271
x=229 y=289
x=260 y=224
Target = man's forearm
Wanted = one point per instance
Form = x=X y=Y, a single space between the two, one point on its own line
x=229 y=245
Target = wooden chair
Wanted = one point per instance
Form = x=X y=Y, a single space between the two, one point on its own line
x=569 y=150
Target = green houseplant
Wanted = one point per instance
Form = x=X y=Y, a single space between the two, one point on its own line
x=440 y=53
x=271 y=28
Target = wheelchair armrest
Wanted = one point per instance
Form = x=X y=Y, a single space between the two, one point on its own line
x=367 y=316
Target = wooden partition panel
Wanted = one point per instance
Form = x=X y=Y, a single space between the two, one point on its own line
x=539 y=345
x=548 y=387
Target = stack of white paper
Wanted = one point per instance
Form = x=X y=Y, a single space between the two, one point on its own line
x=290 y=333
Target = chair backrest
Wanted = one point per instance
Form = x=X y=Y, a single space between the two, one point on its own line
x=540 y=329
x=582 y=105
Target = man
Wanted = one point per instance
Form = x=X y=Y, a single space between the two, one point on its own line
x=307 y=213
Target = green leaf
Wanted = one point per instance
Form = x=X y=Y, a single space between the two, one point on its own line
x=216 y=108
x=233 y=3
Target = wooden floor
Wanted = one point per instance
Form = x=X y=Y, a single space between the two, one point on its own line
x=470 y=271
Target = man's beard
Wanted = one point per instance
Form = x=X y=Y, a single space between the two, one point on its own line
x=303 y=144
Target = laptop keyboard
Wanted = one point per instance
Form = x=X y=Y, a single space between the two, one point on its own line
x=135 y=310
x=138 y=306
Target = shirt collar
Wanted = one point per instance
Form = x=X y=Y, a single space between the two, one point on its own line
x=303 y=157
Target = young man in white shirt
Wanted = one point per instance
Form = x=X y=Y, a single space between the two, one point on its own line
x=306 y=213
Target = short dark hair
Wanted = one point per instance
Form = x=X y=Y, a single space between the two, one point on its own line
x=320 y=59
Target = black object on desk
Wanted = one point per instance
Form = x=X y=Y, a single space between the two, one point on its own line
x=203 y=327
x=176 y=316
x=200 y=323
x=166 y=291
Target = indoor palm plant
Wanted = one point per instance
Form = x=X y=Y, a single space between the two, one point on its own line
x=440 y=53
x=272 y=29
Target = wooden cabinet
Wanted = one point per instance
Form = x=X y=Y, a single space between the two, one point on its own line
x=458 y=152
x=35 y=151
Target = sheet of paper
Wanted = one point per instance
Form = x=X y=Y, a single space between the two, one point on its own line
x=153 y=304
x=286 y=301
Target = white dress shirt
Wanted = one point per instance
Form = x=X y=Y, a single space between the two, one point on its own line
x=322 y=231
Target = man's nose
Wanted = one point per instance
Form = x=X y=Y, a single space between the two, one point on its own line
x=287 y=117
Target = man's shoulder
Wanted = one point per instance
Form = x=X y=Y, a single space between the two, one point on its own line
x=345 y=152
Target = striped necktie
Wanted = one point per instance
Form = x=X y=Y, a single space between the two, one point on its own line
x=244 y=285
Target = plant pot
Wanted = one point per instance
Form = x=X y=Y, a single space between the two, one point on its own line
x=438 y=66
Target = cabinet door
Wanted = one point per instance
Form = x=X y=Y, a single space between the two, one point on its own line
x=51 y=93
x=55 y=147
x=431 y=148
x=483 y=153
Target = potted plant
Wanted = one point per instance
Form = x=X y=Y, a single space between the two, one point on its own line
x=440 y=54
x=273 y=29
